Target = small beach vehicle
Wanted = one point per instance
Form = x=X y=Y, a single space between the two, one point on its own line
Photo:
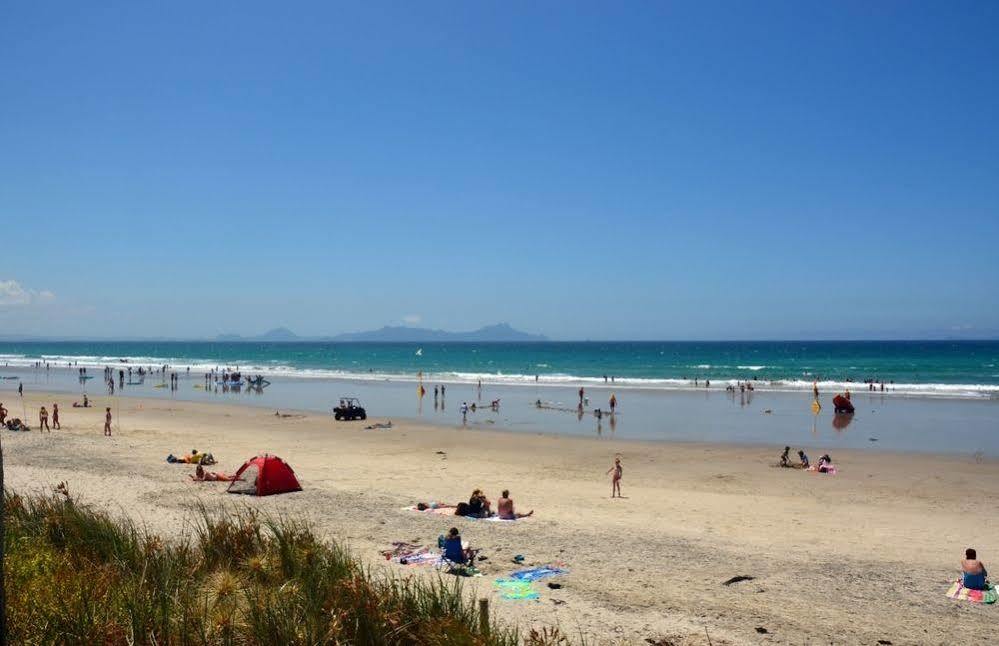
x=842 y=405
x=349 y=409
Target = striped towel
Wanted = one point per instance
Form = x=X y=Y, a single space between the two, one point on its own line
x=961 y=593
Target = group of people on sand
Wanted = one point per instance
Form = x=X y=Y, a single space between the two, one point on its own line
x=479 y=506
x=824 y=465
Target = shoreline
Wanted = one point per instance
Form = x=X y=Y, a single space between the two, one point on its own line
x=898 y=423
x=646 y=566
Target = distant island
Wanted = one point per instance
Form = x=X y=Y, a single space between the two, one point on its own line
x=498 y=333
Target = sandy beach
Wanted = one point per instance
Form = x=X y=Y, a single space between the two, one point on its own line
x=862 y=556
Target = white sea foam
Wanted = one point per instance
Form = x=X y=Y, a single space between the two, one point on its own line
x=275 y=369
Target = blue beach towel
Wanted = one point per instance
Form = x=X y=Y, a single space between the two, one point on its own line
x=536 y=574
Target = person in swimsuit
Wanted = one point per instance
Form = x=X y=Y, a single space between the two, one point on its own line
x=479 y=505
x=55 y=416
x=504 y=508
x=804 y=459
x=613 y=402
x=974 y=575
x=618 y=471
x=784 y=460
x=43 y=420
x=107 y=422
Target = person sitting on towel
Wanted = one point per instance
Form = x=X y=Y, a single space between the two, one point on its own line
x=504 y=507
x=479 y=505
x=454 y=551
x=973 y=570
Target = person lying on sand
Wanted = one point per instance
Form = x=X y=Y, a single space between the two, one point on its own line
x=200 y=475
x=784 y=460
x=973 y=571
x=504 y=507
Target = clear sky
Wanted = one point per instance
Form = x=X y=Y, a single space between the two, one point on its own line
x=638 y=170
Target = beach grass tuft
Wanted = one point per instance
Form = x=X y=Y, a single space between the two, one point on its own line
x=77 y=575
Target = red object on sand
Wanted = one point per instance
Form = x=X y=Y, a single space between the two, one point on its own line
x=264 y=475
x=842 y=404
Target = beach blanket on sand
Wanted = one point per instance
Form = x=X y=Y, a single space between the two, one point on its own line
x=438 y=511
x=537 y=573
x=515 y=589
x=411 y=554
x=958 y=592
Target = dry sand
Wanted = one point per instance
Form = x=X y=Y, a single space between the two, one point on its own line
x=855 y=558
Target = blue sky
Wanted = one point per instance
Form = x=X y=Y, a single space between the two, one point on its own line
x=586 y=170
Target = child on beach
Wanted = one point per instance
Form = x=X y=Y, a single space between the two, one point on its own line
x=618 y=471
x=43 y=420
x=55 y=416
x=107 y=422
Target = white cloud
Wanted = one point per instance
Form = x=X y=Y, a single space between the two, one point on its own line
x=412 y=319
x=11 y=293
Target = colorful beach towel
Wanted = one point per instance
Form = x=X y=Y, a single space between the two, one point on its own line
x=438 y=511
x=960 y=593
x=515 y=589
x=536 y=574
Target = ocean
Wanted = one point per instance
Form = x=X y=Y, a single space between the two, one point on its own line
x=940 y=397
x=941 y=368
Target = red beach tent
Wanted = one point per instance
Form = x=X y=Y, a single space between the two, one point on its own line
x=264 y=475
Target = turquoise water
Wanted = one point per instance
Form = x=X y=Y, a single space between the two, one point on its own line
x=951 y=368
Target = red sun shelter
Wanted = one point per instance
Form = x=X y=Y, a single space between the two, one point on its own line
x=264 y=475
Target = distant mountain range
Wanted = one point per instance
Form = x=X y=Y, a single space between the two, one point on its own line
x=499 y=333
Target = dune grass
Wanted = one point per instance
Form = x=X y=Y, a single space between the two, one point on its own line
x=76 y=575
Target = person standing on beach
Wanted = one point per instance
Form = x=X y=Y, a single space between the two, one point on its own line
x=20 y=389
x=55 y=417
x=618 y=471
x=107 y=422
x=581 y=393
x=43 y=420
x=464 y=413
x=613 y=402
x=443 y=390
x=815 y=389
x=3 y=413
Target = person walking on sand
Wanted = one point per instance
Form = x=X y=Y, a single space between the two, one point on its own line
x=613 y=402
x=43 y=420
x=618 y=471
x=20 y=389
x=55 y=417
x=107 y=422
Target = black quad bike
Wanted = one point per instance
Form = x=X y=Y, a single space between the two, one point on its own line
x=349 y=409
